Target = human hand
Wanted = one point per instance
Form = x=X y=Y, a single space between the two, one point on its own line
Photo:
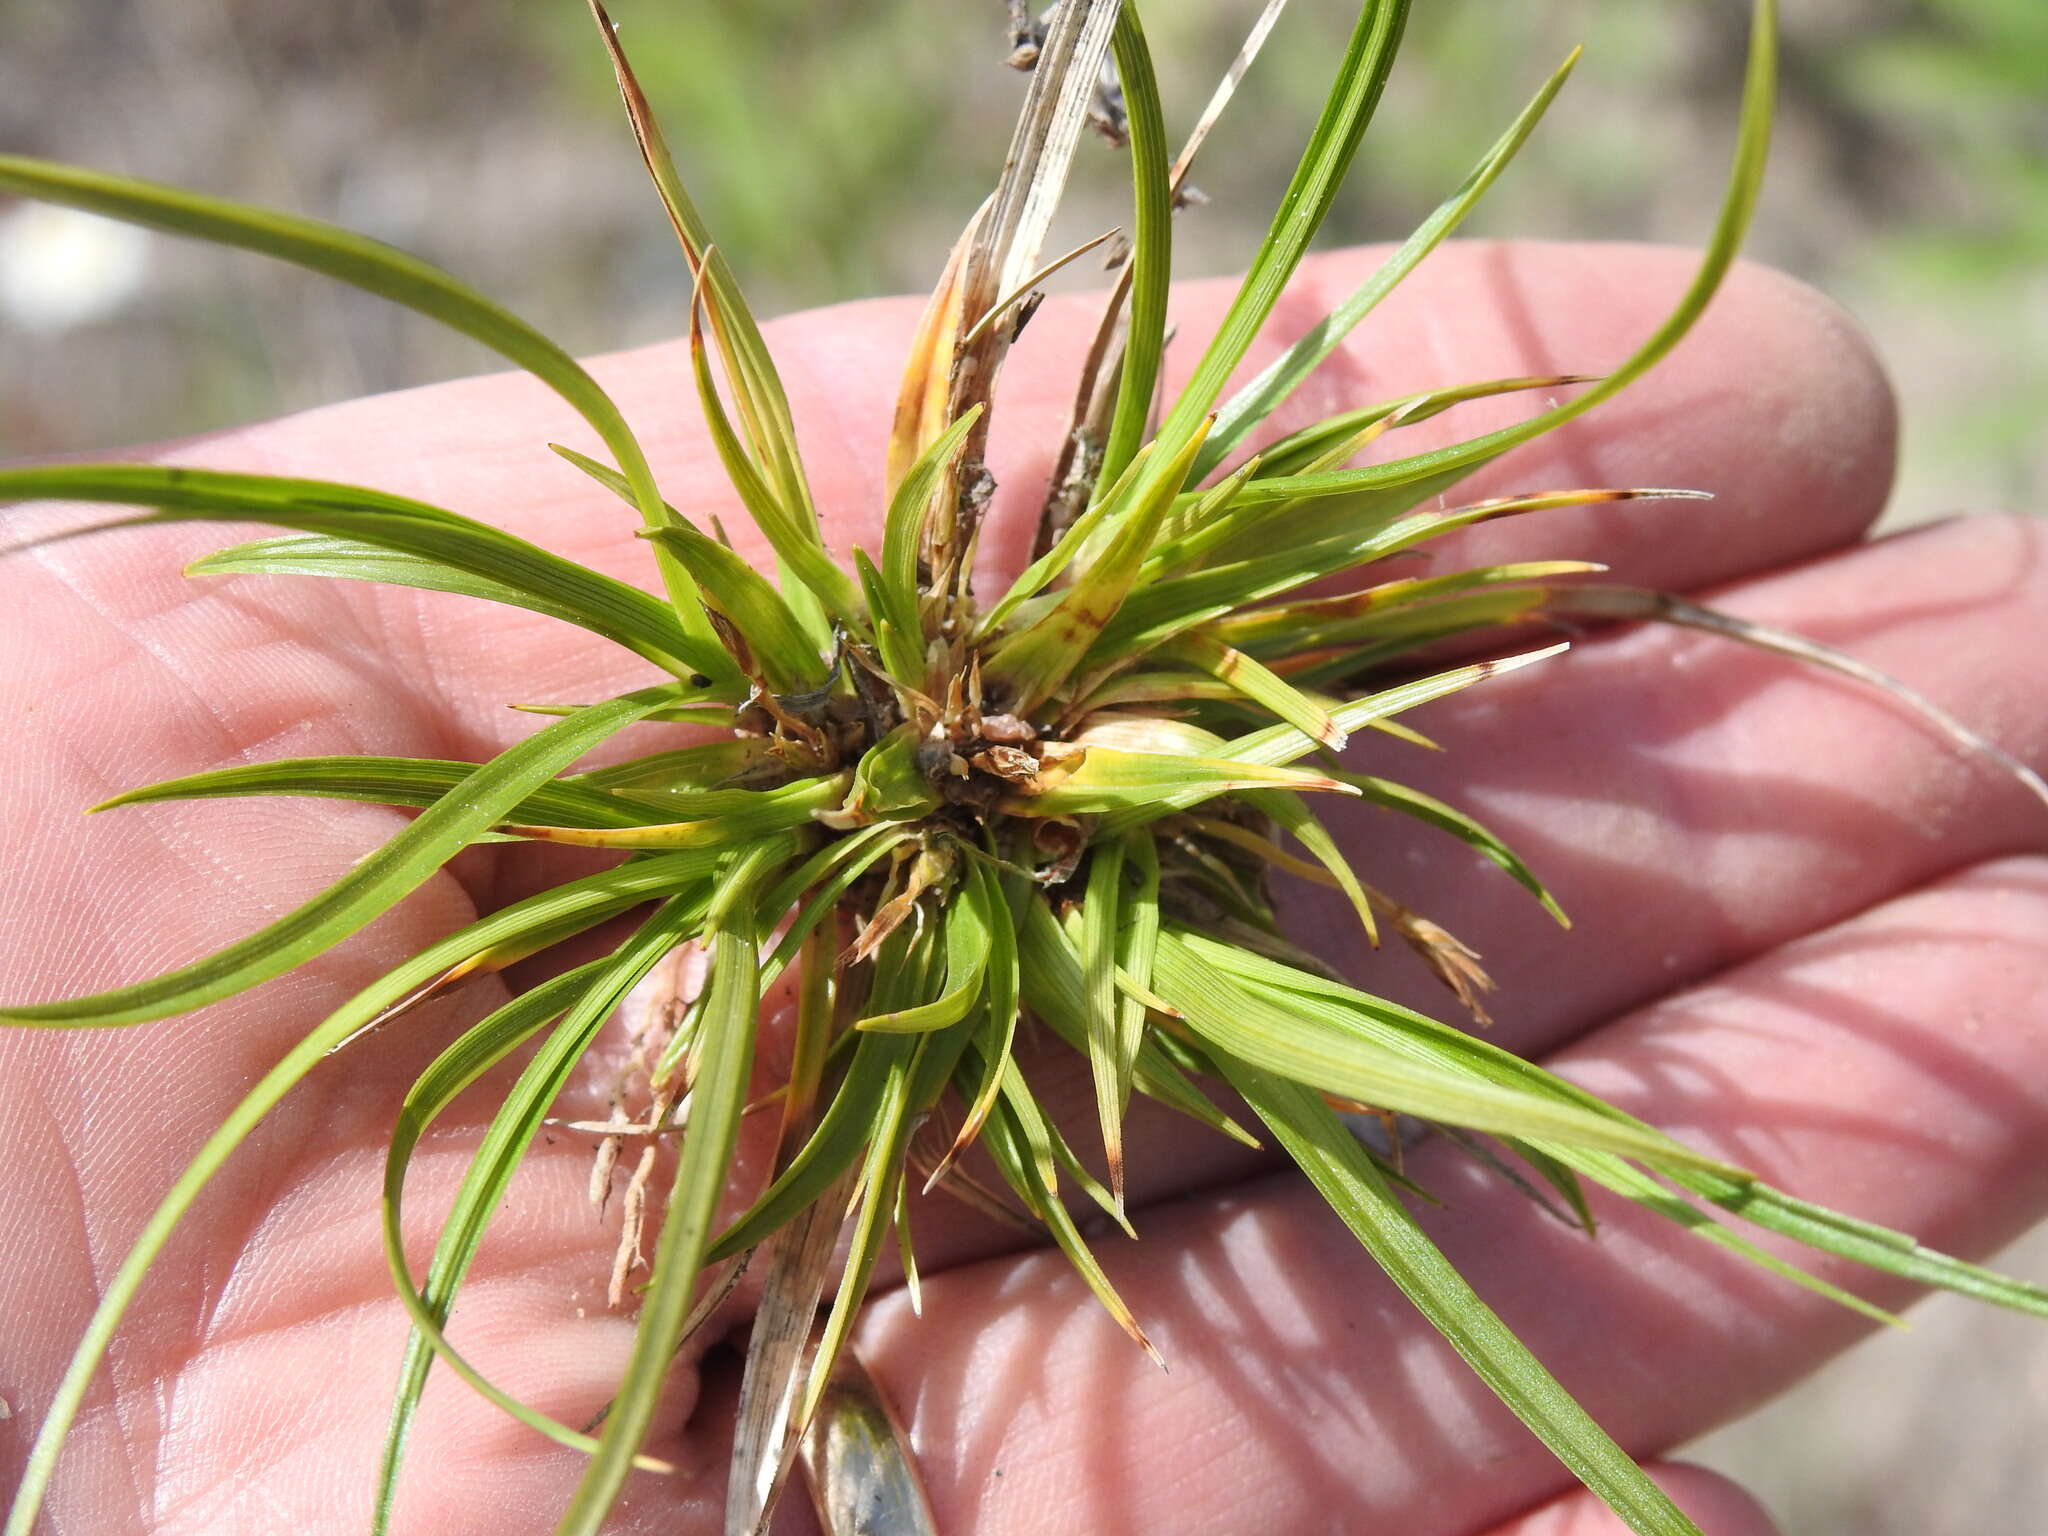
x=1794 y=947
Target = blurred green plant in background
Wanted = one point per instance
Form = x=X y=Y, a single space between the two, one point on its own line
x=839 y=145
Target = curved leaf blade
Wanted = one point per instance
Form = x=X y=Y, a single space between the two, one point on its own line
x=1359 y=1193
x=608 y=607
x=408 y=781
x=1302 y=1045
x=1151 y=260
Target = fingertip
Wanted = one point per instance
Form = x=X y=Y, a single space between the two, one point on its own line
x=1775 y=403
x=1819 y=389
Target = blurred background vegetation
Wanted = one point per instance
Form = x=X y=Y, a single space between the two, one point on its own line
x=838 y=144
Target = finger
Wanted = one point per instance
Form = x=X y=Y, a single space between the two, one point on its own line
x=1893 y=1066
x=1774 y=404
x=1716 y=1505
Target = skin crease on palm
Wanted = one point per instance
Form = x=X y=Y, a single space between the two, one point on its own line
x=1809 y=938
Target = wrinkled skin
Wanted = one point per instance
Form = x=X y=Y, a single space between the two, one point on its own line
x=1808 y=938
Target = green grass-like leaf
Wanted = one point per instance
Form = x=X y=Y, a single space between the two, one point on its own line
x=1359 y=1193
x=1102 y=918
x=1879 y=1248
x=1027 y=1150
x=895 y=593
x=1433 y=812
x=1111 y=781
x=1036 y=659
x=763 y=403
x=1739 y=204
x=995 y=1033
x=909 y=1096
x=1288 y=810
x=473 y=1053
x=1349 y=107
x=1151 y=260
x=792 y=531
x=409 y=781
x=719 y=818
x=1250 y=677
x=395 y=523
x=1310 y=1046
x=758 y=618
x=353 y=560
x=1050 y=978
x=969 y=922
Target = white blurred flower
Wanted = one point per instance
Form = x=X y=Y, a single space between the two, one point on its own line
x=60 y=268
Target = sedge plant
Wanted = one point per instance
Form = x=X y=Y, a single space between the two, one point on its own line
x=956 y=816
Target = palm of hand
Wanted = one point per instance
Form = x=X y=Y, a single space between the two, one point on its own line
x=1703 y=815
